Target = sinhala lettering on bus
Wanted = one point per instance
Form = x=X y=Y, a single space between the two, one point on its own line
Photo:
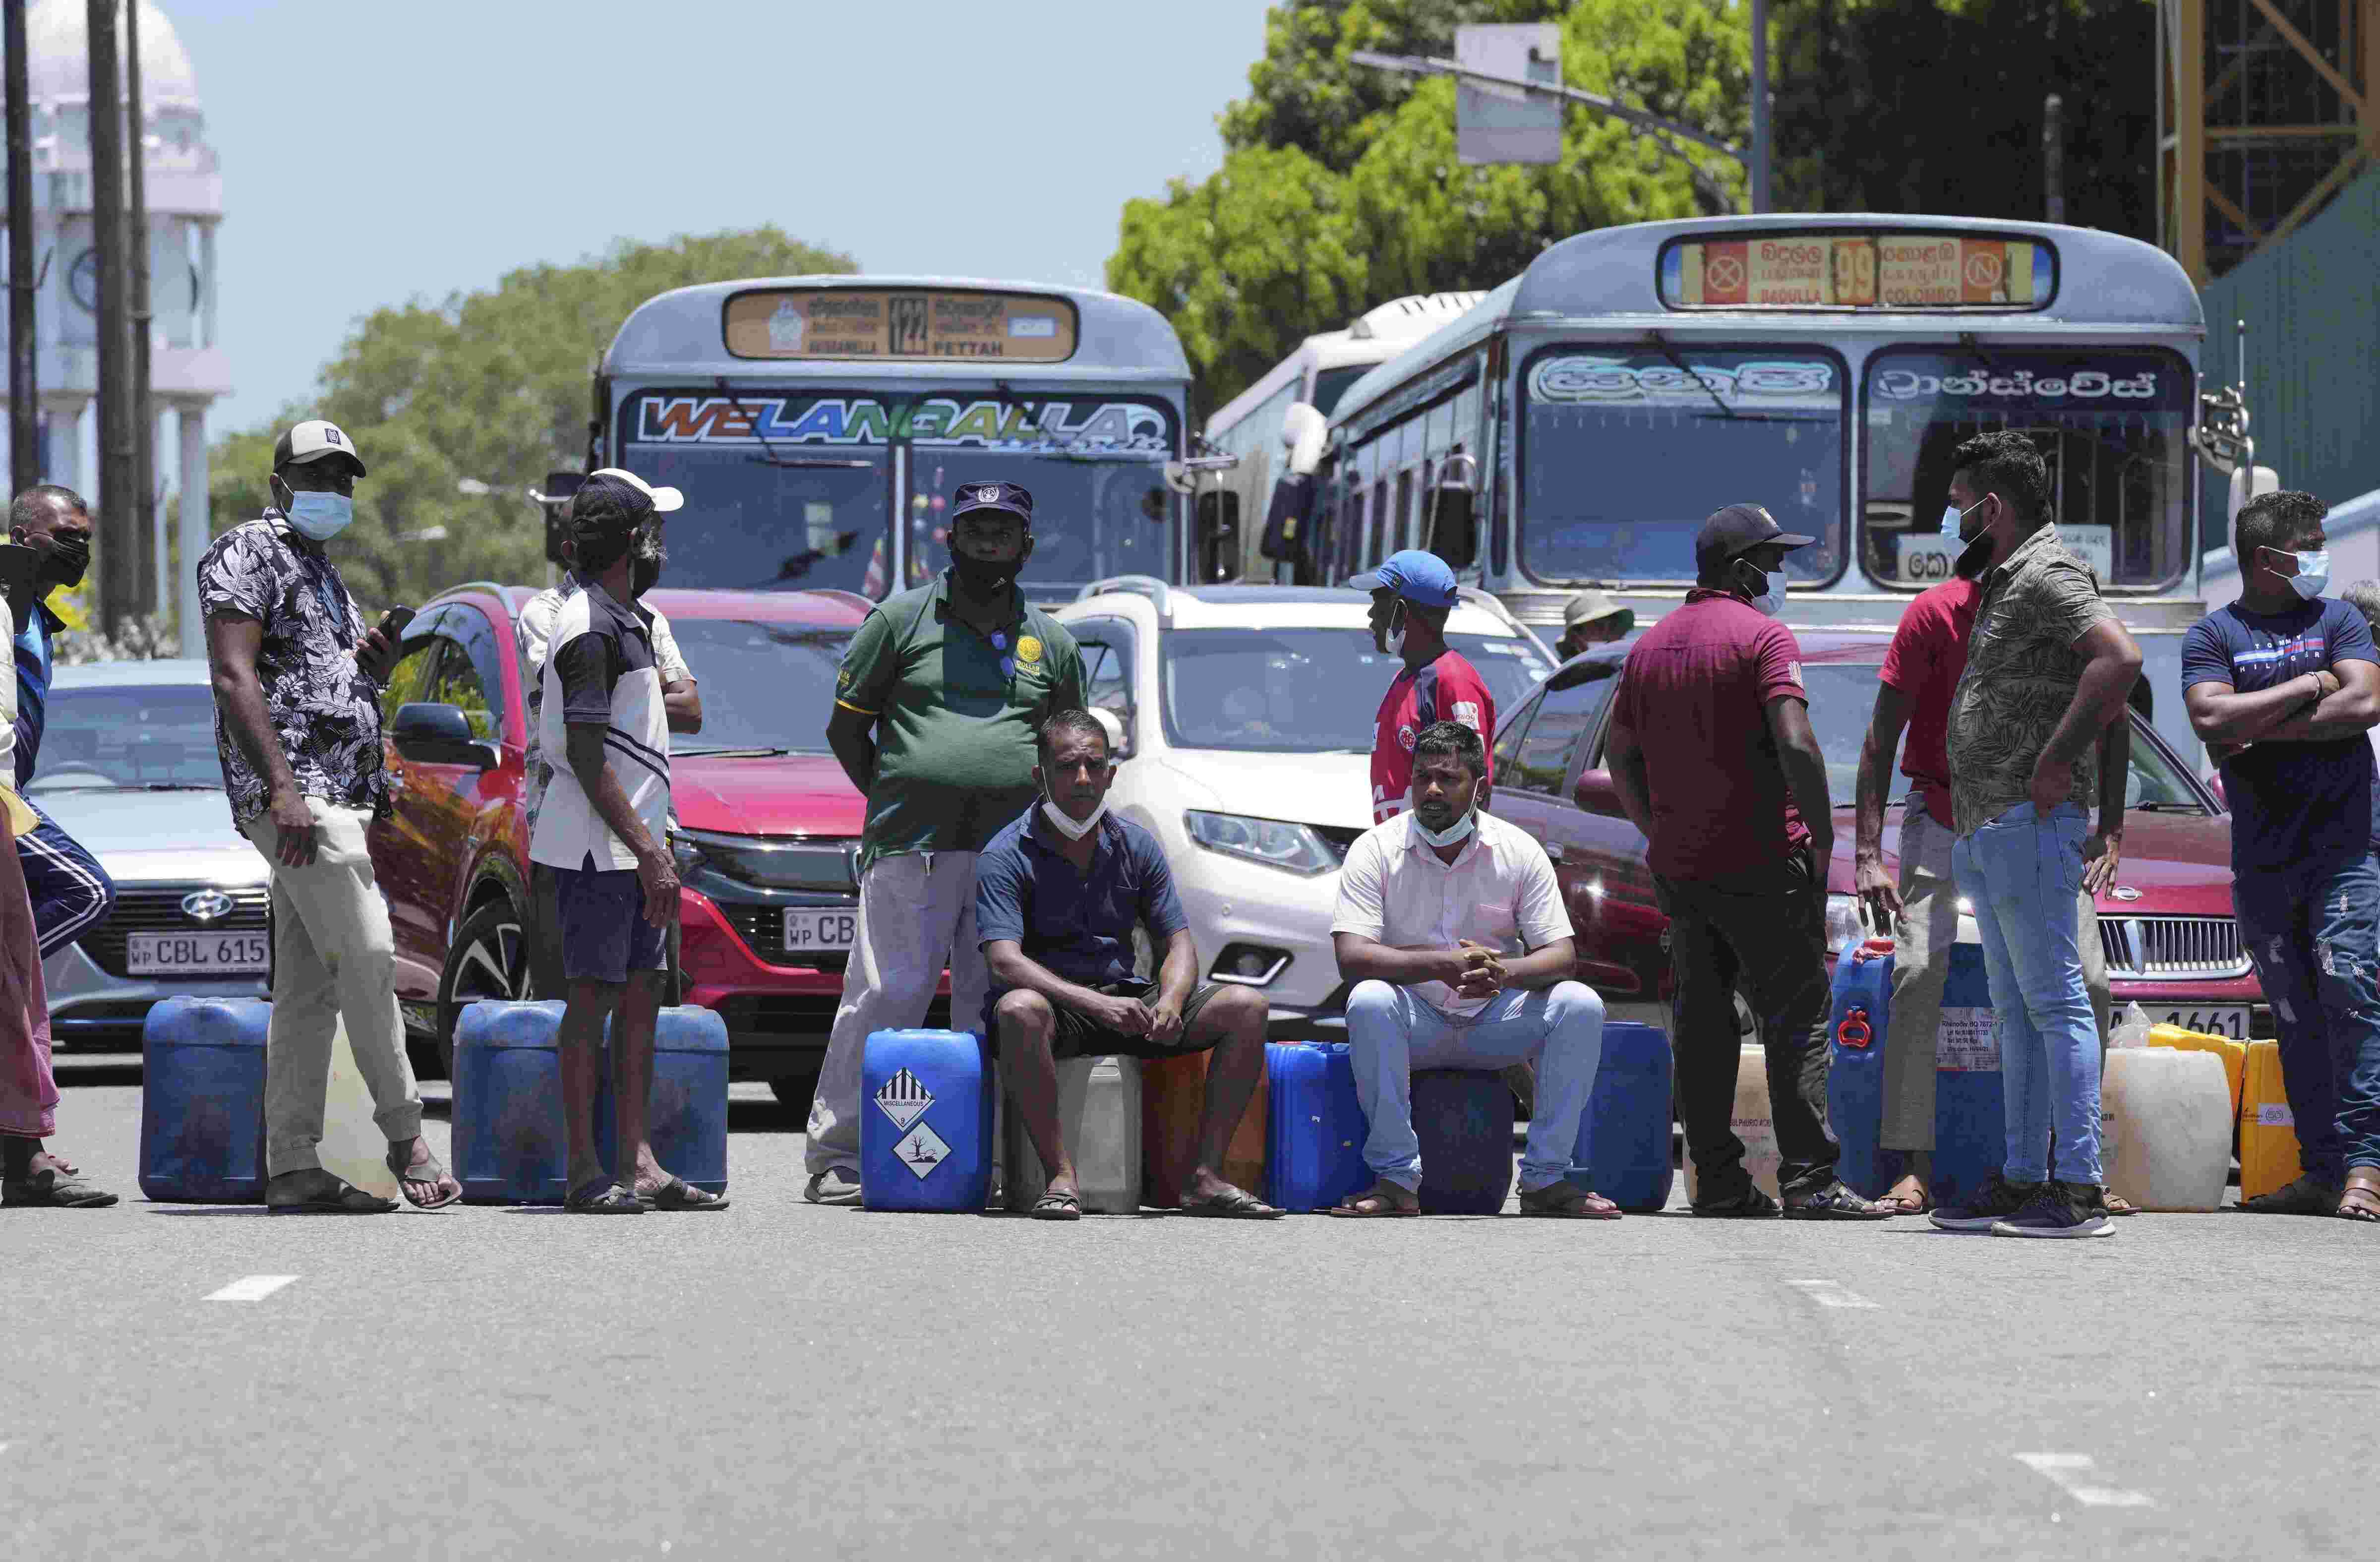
x=1903 y=385
x=1108 y=427
x=1584 y=378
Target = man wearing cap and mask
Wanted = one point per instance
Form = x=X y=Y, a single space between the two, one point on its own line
x=1712 y=756
x=1591 y=619
x=1412 y=593
x=297 y=682
x=935 y=708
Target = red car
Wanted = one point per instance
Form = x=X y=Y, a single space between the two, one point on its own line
x=765 y=826
x=2166 y=925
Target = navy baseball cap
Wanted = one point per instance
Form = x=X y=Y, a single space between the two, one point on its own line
x=1736 y=528
x=1011 y=497
x=1414 y=575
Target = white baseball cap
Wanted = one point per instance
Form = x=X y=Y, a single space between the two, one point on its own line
x=664 y=499
x=312 y=441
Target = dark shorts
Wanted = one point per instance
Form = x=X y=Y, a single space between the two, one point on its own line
x=1076 y=1036
x=600 y=913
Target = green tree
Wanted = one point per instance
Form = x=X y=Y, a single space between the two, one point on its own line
x=490 y=387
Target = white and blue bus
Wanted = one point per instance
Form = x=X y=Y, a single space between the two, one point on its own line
x=820 y=426
x=1635 y=379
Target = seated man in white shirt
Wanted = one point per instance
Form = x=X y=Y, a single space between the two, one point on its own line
x=1451 y=927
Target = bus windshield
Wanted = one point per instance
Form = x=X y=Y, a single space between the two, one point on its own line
x=750 y=525
x=2113 y=423
x=1093 y=516
x=1626 y=449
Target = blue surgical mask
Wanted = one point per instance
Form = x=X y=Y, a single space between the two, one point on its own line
x=2314 y=572
x=1952 y=515
x=1448 y=836
x=321 y=515
x=1771 y=600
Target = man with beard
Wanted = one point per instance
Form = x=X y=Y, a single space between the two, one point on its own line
x=936 y=709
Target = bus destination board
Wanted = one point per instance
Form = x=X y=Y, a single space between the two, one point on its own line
x=905 y=323
x=1880 y=270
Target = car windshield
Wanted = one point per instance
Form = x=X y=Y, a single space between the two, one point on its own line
x=153 y=735
x=1842 y=698
x=748 y=525
x=1290 y=692
x=1624 y=454
x=765 y=687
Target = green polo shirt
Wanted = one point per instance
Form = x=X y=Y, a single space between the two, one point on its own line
x=955 y=717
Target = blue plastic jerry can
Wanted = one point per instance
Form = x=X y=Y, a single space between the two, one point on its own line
x=509 y=1143
x=1463 y=1118
x=686 y=1110
x=925 y=1121
x=1624 y=1144
x=1970 y=1114
x=202 y=1100
x=1314 y=1129
x=1862 y=1012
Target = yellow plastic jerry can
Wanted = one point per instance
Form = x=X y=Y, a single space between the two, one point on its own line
x=2233 y=1054
x=2268 y=1134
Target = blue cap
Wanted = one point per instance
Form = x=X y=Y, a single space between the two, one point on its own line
x=1009 y=497
x=1414 y=575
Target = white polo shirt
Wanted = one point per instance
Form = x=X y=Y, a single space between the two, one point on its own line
x=1498 y=891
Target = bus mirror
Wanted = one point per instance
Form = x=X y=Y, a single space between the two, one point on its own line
x=1219 y=535
x=1453 y=537
x=1292 y=498
x=1302 y=432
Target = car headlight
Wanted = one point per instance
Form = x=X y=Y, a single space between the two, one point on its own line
x=1276 y=843
x=1843 y=924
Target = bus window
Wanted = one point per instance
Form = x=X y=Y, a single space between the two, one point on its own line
x=1403 y=538
x=1623 y=455
x=2112 y=423
x=1373 y=552
x=1330 y=385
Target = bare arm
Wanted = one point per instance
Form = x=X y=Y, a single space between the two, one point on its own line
x=1542 y=967
x=851 y=735
x=233 y=640
x=1176 y=978
x=1885 y=726
x=683 y=702
x=654 y=869
x=1368 y=960
x=2349 y=711
x=2111 y=666
x=2115 y=769
x=1011 y=967
x=1805 y=772
x=1624 y=758
x=2221 y=716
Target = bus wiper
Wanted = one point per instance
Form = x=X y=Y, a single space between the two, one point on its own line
x=2163 y=805
x=769 y=457
x=1679 y=363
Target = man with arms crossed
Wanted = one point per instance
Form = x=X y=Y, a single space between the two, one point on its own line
x=1451 y=928
x=1057 y=895
x=2282 y=686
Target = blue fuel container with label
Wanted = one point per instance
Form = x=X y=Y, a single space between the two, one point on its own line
x=1314 y=1129
x=1970 y=1107
x=509 y=1145
x=1624 y=1144
x=685 y=1112
x=1464 y=1120
x=925 y=1121
x=1862 y=1011
x=202 y=1100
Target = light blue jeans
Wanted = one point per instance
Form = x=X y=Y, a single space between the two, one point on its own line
x=1391 y=1033
x=2023 y=875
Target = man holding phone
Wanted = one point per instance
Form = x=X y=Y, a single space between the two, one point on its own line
x=297 y=682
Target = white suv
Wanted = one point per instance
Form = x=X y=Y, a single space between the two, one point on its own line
x=1246 y=717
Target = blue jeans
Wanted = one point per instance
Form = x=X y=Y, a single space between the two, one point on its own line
x=2312 y=930
x=1391 y=1033
x=2023 y=875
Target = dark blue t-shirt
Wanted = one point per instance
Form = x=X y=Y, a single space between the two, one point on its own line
x=2291 y=803
x=1078 y=927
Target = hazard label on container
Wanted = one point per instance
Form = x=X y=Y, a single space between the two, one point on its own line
x=921 y=1150
x=2275 y=1115
x=1967 y=1044
x=903 y=1098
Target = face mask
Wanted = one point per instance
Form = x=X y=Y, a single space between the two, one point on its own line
x=1394 y=639
x=2314 y=572
x=69 y=558
x=321 y=515
x=1067 y=826
x=1773 y=598
x=645 y=563
x=1448 y=836
x=1953 y=515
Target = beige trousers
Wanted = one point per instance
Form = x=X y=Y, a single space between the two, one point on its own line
x=333 y=956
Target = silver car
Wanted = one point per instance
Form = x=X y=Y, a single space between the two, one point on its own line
x=128 y=768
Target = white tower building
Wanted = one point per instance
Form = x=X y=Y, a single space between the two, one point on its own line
x=188 y=368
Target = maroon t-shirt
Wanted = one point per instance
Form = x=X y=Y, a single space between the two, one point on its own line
x=1929 y=652
x=1697 y=693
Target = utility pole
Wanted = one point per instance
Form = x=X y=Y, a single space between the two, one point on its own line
x=149 y=568
x=24 y=405
x=1760 y=127
x=2053 y=157
x=119 y=554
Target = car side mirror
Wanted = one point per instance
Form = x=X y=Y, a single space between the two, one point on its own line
x=1219 y=535
x=1598 y=795
x=431 y=734
x=1453 y=510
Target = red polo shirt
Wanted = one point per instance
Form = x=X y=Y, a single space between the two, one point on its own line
x=1696 y=693
x=1928 y=653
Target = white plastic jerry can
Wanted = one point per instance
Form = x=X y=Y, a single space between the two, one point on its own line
x=353 y=1146
x=1099 y=1111
x=2173 y=1109
x=1754 y=1122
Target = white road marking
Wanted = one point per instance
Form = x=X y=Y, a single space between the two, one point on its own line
x=1825 y=1293
x=2074 y=1473
x=251 y=1287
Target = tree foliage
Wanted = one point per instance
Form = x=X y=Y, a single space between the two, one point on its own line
x=491 y=388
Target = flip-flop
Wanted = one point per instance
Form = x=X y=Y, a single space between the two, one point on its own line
x=431 y=1171
x=1231 y=1203
x=1383 y=1207
x=2118 y=1205
x=1918 y=1202
x=602 y=1196
x=677 y=1193
x=54 y=1188
x=1567 y=1200
x=2360 y=1200
x=1750 y=1205
x=348 y=1200
x=1058 y=1207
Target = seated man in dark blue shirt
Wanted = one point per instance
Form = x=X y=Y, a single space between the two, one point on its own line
x=1057 y=895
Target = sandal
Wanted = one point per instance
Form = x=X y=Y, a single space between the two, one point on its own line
x=55 y=1188
x=1567 y=1200
x=2361 y=1198
x=2118 y=1205
x=2305 y=1196
x=1373 y=1204
x=602 y=1196
x=445 y=1189
x=677 y=1193
x=1058 y=1207
x=1231 y=1203
x=1750 y=1205
x=344 y=1198
x=1917 y=1199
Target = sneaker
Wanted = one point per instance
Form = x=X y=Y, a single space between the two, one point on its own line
x=1835 y=1201
x=837 y=1185
x=1996 y=1201
x=2060 y=1209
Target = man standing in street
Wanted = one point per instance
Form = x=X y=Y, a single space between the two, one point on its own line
x=935 y=708
x=2048 y=669
x=296 y=683
x=1451 y=929
x=72 y=894
x=1412 y=593
x=1593 y=619
x=2282 y=684
x=1713 y=758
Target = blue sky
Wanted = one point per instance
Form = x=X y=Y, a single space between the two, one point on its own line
x=373 y=154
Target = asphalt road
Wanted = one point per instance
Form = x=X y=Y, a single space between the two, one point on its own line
x=781 y=1380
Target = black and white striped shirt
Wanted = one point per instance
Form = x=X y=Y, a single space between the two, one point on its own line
x=602 y=670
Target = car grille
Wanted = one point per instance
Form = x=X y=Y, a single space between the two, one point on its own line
x=2201 y=948
x=762 y=928
x=153 y=907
